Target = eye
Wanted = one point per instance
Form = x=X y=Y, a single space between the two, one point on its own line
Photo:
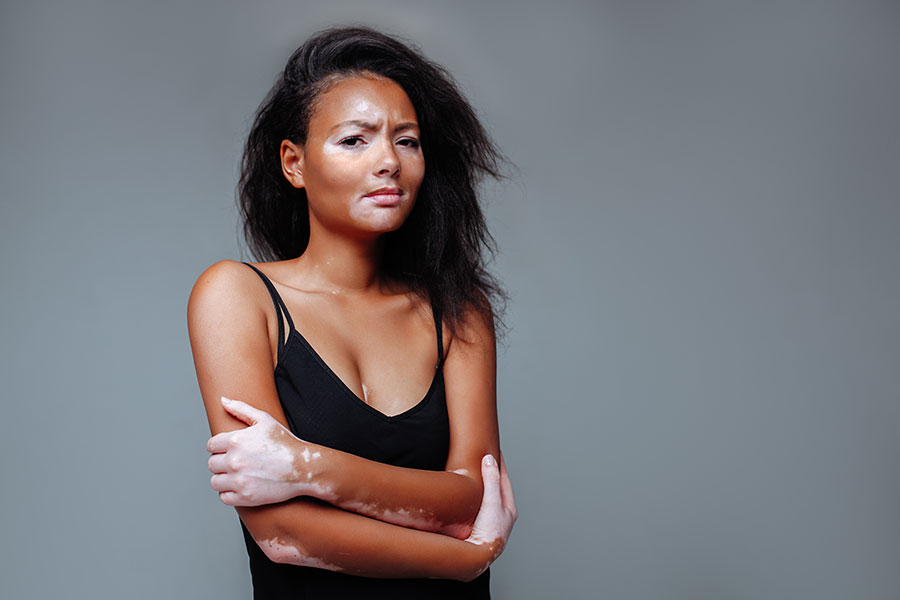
x=353 y=140
x=409 y=142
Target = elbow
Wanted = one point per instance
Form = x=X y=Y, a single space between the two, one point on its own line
x=287 y=552
x=472 y=572
x=282 y=550
x=278 y=550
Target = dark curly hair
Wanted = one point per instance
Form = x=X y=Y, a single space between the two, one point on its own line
x=440 y=252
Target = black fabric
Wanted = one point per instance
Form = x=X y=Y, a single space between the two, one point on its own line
x=321 y=409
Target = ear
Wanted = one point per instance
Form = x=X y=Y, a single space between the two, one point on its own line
x=292 y=163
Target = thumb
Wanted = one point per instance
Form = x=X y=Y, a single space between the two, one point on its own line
x=243 y=411
x=490 y=474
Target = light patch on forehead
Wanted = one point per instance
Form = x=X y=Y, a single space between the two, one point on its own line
x=365 y=98
x=363 y=106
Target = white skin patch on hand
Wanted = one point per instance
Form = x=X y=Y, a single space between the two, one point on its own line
x=284 y=461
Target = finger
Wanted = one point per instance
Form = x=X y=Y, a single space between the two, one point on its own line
x=218 y=464
x=229 y=498
x=219 y=442
x=490 y=473
x=243 y=411
x=221 y=483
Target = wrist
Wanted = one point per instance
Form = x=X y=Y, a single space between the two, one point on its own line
x=310 y=476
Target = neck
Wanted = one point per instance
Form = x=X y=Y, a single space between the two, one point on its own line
x=342 y=265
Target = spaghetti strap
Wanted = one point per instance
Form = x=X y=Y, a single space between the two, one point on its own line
x=439 y=330
x=280 y=309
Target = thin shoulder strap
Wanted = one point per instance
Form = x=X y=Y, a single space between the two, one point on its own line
x=439 y=329
x=280 y=308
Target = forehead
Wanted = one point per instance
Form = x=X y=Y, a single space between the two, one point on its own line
x=363 y=98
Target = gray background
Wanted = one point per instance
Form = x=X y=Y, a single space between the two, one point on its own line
x=699 y=393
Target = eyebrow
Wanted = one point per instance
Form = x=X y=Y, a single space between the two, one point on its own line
x=373 y=127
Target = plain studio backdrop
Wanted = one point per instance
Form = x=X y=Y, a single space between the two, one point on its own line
x=699 y=390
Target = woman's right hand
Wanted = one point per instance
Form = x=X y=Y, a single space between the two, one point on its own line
x=498 y=513
x=263 y=463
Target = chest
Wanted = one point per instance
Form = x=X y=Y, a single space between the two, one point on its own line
x=322 y=409
x=383 y=353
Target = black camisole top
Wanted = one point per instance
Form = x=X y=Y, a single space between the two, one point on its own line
x=321 y=409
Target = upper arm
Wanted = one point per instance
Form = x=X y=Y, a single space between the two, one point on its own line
x=229 y=332
x=470 y=374
x=232 y=348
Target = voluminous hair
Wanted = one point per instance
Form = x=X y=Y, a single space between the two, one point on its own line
x=440 y=252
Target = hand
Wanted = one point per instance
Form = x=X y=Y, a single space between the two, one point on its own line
x=261 y=464
x=498 y=513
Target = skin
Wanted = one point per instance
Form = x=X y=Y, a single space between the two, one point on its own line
x=379 y=340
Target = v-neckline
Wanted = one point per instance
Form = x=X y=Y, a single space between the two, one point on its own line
x=294 y=333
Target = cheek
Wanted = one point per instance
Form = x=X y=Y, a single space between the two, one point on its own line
x=338 y=174
x=334 y=169
x=415 y=173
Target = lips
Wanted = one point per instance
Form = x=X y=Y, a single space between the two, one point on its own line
x=385 y=196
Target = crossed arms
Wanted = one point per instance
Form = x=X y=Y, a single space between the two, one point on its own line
x=379 y=520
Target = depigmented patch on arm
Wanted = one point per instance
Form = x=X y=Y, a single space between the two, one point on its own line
x=305 y=466
x=281 y=551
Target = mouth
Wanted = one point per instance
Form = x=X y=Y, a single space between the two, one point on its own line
x=388 y=196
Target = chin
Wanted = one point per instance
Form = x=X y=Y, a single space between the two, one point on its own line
x=387 y=225
x=388 y=228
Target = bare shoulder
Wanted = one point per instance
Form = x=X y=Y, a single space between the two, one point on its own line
x=222 y=277
x=228 y=297
x=475 y=332
x=230 y=341
x=225 y=286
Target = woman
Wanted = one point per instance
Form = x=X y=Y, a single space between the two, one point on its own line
x=359 y=181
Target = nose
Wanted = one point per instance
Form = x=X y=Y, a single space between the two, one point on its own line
x=388 y=163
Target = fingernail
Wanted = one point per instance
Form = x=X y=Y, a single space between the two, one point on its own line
x=226 y=400
x=489 y=460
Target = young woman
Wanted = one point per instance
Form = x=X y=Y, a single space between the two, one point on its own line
x=361 y=445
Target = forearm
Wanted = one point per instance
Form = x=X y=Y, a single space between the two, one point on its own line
x=308 y=533
x=266 y=464
x=439 y=501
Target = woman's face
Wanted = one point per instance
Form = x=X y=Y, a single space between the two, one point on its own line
x=362 y=163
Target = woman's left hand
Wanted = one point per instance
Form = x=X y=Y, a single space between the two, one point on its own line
x=263 y=463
